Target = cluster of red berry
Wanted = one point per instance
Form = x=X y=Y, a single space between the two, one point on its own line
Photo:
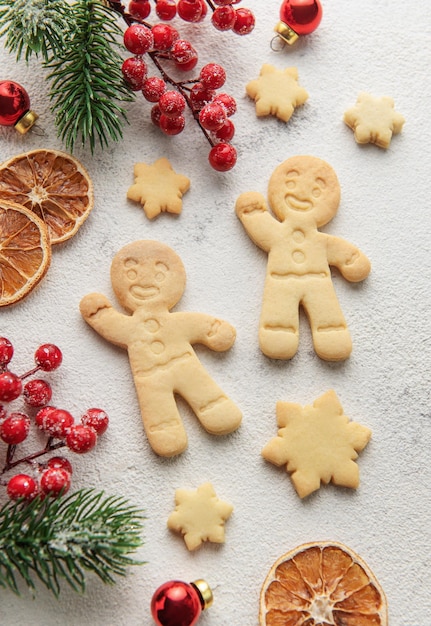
x=53 y=477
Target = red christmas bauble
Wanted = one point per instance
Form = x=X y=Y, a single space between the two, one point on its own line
x=15 y=106
x=176 y=603
x=303 y=16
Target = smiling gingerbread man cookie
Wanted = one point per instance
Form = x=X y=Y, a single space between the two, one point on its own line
x=148 y=279
x=304 y=194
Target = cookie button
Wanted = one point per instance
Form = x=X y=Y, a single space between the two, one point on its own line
x=298 y=235
x=151 y=325
x=298 y=256
x=157 y=347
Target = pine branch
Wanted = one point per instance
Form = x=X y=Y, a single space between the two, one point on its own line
x=62 y=539
x=34 y=26
x=87 y=82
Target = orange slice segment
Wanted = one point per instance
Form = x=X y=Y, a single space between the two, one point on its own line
x=25 y=252
x=322 y=584
x=52 y=184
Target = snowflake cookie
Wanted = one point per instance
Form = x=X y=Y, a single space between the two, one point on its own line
x=318 y=444
x=199 y=515
x=374 y=120
x=158 y=188
x=276 y=92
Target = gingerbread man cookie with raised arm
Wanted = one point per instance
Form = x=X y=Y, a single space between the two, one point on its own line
x=149 y=279
x=304 y=194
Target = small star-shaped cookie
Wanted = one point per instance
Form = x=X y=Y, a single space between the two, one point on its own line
x=276 y=92
x=199 y=515
x=317 y=444
x=158 y=188
x=374 y=120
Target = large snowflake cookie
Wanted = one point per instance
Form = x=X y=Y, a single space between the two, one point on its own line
x=374 y=120
x=276 y=92
x=317 y=443
x=158 y=188
x=199 y=515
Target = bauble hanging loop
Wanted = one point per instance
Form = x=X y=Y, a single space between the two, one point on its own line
x=297 y=18
x=15 y=107
x=176 y=603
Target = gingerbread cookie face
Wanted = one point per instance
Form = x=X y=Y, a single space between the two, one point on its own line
x=148 y=278
x=374 y=120
x=317 y=444
x=304 y=194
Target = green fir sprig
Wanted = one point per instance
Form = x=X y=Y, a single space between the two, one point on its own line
x=60 y=540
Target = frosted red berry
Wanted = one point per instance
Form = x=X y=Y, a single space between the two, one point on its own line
x=188 y=65
x=10 y=387
x=222 y=157
x=212 y=76
x=22 y=486
x=57 y=423
x=15 y=428
x=48 y=357
x=200 y=96
x=55 y=481
x=37 y=392
x=172 y=125
x=164 y=36
x=227 y=101
x=96 y=419
x=155 y=115
x=81 y=439
x=139 y=9
x=166 y=9
x=135 y=72
x=212 y=116
x=40 y=415
x=244 y=22
x=182 y=51
x=138 y=39
x=222 y=3
x=172 y=103
x=189 y=10
x=60 y=462
x=224 y=18
x=6 y=351
x=153 y=88
x=226 y=132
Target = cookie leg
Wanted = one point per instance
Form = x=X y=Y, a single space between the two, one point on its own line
x=162 y=421
x=279 y=321
x=217 y=413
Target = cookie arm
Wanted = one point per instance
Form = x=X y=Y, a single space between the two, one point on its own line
x=209 y=331
x=98 y=312
x=258 y=222
x=348 y=259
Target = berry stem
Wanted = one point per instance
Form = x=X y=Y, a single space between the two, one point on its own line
x=10 y=463
x=30 y=372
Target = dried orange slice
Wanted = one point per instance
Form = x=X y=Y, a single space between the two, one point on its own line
x=25 y=252
x=52 y=184
x=322 y=584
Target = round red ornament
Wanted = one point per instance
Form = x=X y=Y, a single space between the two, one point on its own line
x=298 y=17
x=15 y=107
x=176 y=603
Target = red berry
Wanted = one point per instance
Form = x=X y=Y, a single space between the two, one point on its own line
x=212 y=116
x=153 y=88
x=226 y=132
x=22 y=486
x=57 y=423
x=138 y=39
x=166 y=9
x=212 y=76
x=15 y=428
x=204 y=9
x=222 y=3
x=40 y=415
x=60 y=462
x=164 y=36
x=37 y=392
x=155 y=115
x=189 y=10
x=10 y=387
x=224 y=18
x=182 y=51
x=55 y=481
x=6 y=351
x=200 y=95
x=172 y=103
x=140 y=9
x=244 y=22
x=172 y=125
x=227 y=101
x=222 y=157
x=97 y=419
x=48 y=357
x=135 y=72
x=81 y=439
x=189 y=65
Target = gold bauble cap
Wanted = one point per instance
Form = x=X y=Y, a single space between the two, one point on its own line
x=286 y=33
x=204 y=591
x=25 y=122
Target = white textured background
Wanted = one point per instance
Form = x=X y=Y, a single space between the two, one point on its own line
x=380 y=47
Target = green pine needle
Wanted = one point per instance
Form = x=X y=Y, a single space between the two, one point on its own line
x=87 y=81
x=63 y=539
x=34 y=26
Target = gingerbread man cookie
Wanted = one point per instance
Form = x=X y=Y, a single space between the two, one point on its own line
x=148 y=279
x=304 y=194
